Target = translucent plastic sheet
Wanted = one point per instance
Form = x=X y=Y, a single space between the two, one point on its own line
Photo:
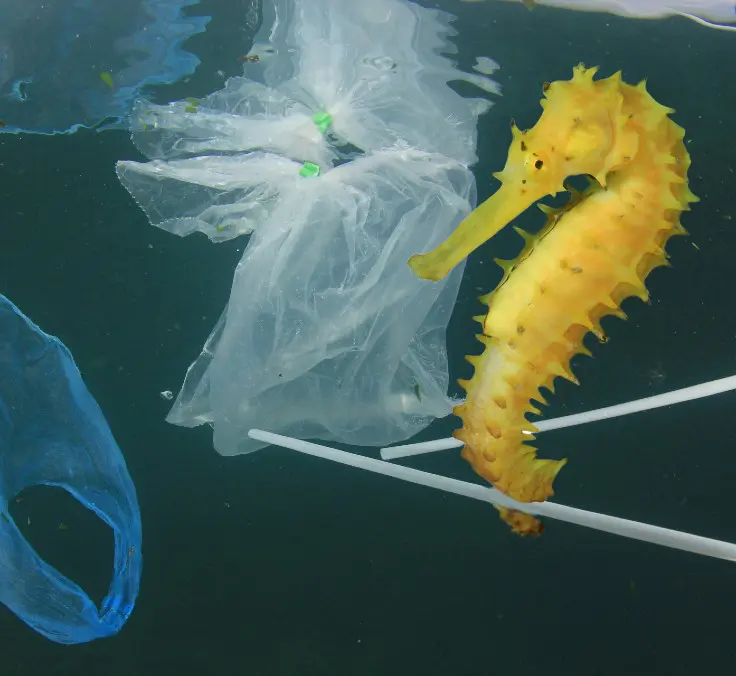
x=52 y=432
x=344 y=153
x=716 y=12
x=71 y=63
x=222 y=197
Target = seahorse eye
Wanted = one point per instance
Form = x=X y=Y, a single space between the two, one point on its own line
x=538 y=164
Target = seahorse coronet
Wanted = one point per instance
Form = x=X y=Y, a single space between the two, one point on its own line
x=589 y=257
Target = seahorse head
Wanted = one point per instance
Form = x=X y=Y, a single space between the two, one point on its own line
x=582 y=130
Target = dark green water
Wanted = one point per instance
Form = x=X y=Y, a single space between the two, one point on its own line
x=275 y=564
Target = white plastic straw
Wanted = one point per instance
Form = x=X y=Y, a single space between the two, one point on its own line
x=666 y=399
x=609 y=524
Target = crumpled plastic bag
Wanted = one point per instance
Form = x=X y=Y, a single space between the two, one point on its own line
x=344 y=152
x=52 y=432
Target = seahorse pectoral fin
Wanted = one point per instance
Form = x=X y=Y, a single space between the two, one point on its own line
x=478 y=227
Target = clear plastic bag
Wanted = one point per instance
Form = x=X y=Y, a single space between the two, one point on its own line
x=345 y=152
x=52 y=432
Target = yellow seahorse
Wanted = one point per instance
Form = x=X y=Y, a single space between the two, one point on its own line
x=590 y=256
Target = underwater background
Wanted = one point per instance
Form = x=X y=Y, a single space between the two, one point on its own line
x=279 y=564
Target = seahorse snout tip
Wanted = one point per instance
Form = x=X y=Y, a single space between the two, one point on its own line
x=424 y=267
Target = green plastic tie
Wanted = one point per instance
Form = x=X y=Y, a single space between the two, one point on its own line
x=309 y=169
x=322 y=120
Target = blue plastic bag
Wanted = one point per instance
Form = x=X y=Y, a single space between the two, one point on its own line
x=66 y=64
x=52 y=432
